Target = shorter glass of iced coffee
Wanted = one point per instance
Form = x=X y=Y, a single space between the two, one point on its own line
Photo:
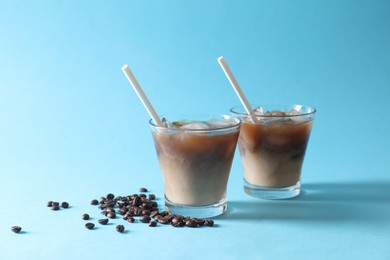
x=272 y=146
x=195 y=155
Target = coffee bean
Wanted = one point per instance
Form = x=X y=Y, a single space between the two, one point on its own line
x=209 y=222
x=143 y=190
x=103 y=221
x=85 y=216
x=146 y=212
x=120 y=228
x=122 y=211
x=130 y=219
x=199 y=221
x=65 y=205
x=104 y=212
x=110 y=196
x=164 y=213
x=102 y=200
x=89 y=225
x=55 y=207
x=191 y=223
x=111 y=215
x=50 y=203
x=152 y=196
x=152 y=223
x=16 y=229
x=94 y=202
x=55 y=203
x=144 y=219
x=153 y=213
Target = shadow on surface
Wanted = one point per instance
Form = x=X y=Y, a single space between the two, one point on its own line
x=360 y=201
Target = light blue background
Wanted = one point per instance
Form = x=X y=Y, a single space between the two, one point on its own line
x=71 y=127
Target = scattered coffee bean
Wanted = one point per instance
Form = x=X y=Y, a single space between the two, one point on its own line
x=65 y=205
x=143 y=190
x=144 y=219
x=103 y=221
x=50 y=203
x=209 y=222
x=152 y=196
x=111 y=215
x=191 y=223
x=16 y=229
x=152 y=223
x=120 y=228
x=85 y=216
x=130 y=219
x=55 y=203
x=55 y=207
x=110 y=196
x=94 y=202
x=89 y=225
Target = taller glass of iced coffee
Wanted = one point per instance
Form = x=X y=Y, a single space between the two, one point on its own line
x=195 y=156
x=272 y=146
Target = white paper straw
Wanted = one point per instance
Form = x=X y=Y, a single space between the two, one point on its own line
x=237 y=88
x=145 y=101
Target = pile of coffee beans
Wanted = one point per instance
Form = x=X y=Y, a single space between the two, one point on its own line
x=143 y=207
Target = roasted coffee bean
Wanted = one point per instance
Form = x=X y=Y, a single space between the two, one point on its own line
x=94 y=202
x=152 y=223
x=122 y=211
x=144 y=219
x=164 y=213
x=130 y=219
x=111 y=215
x=102 y=200
x=110 y=209
x=120 y=228
x=162 y=220
x=143 y=190
x=146 y=212
x=104 y=212
x=152 y=196
x=55 y=203
x=103 y=221
x=209 y=222
x=110 y=196
x=137 y=212
x=89 y=225
x=199 y=221
x=55 y=207
x=16 y=229
x=85 y=216
x=136 y=201
x=65 y=205
x=153 y=213
x=191 y=223
x=142 y=195
x=50 y=203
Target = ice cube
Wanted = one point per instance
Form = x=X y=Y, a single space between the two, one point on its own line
x=292 y=112
x=258 y=111
x=196 y=126
x=218 y=122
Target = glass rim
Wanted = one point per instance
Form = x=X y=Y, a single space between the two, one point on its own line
x=236 y=123
x=311 y=110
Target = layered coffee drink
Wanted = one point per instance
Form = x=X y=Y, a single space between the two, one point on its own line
x=272 y=146
x=195 y=158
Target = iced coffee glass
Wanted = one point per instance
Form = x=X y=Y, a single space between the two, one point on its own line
x=195 y=155
x=272 y=146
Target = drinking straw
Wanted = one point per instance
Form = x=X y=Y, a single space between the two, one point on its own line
x=237 y=88
x=145 y=101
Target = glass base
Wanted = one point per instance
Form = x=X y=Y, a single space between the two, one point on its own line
x=201 y=211
x=272 y=193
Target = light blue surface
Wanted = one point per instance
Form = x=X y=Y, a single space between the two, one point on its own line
x=71 y=127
